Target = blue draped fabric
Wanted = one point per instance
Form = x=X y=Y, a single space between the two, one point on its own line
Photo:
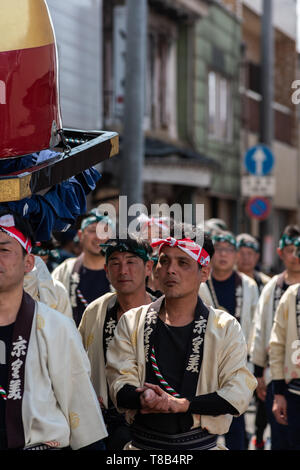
x=59 y=208
x=11 y=165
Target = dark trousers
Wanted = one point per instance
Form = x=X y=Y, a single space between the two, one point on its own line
x=119 y=432
x=293 y=412
x=279 y=432
x=261 y=419
x=235 y=438
x=3 y=439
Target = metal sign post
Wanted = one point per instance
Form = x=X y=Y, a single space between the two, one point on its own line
x=258 y=182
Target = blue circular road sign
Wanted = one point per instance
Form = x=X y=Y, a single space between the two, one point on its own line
x=258 y=208
x=259 y=160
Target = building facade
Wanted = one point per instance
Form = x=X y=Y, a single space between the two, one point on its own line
x=217 y=109
x=78 y=30
x=202 y=99
x=193 y=47
x=285 y=146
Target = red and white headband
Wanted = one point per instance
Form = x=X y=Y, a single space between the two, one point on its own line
x=7 y=225
x=187 y=245
x=146 y=221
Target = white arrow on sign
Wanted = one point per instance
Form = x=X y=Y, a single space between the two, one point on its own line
x=259 y=158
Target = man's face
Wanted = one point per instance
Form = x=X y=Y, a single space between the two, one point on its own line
x=290 y=261
x=89 y=240
x=179 y=274
x=225 y=256
x=13 y=264
x=127 y=272
x=247 y=259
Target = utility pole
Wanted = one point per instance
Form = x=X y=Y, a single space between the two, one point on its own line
x=133 y=132
x=267 y=76
x=267 y=113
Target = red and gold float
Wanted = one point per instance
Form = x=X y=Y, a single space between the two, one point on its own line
x=29 y=101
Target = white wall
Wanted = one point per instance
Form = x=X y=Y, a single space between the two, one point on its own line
x=78 y=30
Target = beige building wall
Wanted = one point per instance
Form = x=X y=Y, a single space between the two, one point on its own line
x=284 y=17
x=286 y=173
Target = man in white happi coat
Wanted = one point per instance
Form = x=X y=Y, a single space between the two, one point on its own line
x=235 y=292
x=84 y=277
x=39 y=284
x=127 y=264
x=47 y=400
x=177 y=368
x=284 y=353
x=248 y=254
x=263 y=321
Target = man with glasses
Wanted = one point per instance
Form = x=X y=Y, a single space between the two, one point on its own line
x=236 y=293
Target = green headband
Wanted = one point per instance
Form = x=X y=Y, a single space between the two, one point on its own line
x=39 y=251
x=224 y=238
x=122 y=247
x=286 y=241
x=248 y=244
x=93 y=218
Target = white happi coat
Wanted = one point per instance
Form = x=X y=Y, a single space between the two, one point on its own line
x=263 y=277
x=39 y=284
x=262 y=326
x=250 y=300
x=223 y=368
x=91 y=330
x=284 y=346
x=59 y=404
x=63 y=272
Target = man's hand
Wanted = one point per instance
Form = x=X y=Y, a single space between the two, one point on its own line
x=261 y=389
x=101 y=403
x=178 y=405
x=280 y=409
x=156 y=400
x=153 y=399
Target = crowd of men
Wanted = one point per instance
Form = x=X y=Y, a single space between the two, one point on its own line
x=156 y=341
